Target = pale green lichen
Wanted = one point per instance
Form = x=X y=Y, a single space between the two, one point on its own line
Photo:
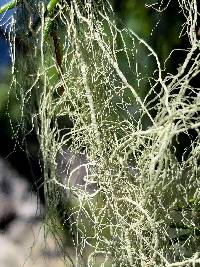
x=133 y=216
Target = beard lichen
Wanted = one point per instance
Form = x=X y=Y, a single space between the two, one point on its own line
x=108 y=161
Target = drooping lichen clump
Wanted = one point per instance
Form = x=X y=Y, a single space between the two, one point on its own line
x=143 y=207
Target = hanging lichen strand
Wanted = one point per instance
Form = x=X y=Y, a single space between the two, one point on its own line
x=109 y=167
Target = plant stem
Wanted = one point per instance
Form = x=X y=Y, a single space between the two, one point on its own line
x=51 y=5
x=8 y=6
x=49 y=21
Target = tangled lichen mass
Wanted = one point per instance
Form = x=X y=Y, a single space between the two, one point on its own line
x=144 y=206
